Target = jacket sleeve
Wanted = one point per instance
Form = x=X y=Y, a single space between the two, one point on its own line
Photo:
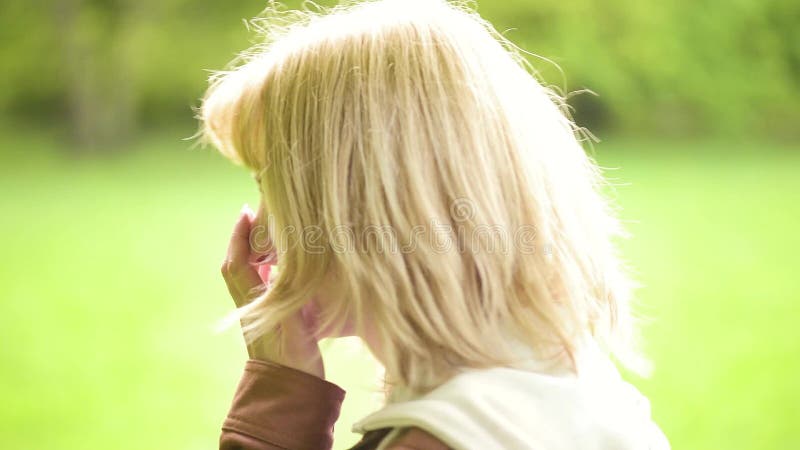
x=277 y=407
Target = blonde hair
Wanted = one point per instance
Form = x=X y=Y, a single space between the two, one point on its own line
x=416 y=122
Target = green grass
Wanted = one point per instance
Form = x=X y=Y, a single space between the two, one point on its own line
x=716 y=244
x=110 y=287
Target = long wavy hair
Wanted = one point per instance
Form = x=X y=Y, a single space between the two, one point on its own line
x=407 y=149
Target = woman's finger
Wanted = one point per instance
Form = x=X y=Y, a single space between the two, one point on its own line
x=239 y=245
x=262 y=250
x=242 y=279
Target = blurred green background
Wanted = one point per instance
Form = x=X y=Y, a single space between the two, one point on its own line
x=113 y=229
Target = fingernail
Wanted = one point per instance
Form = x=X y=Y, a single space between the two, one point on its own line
x=245 y=209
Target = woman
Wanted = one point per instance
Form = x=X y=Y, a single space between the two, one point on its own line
x=422 y=190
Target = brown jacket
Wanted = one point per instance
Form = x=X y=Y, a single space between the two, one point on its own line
x=279 y=408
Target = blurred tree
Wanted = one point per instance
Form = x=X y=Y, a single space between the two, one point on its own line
x=106 y=68
x=95 y=58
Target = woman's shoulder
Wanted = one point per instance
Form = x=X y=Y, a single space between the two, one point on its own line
x=515 y=407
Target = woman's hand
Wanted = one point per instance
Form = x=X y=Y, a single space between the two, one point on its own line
x=294 y=344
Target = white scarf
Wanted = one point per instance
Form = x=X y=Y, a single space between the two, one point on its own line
x=528 y=409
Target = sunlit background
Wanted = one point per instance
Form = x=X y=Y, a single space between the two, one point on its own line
x=112 y=229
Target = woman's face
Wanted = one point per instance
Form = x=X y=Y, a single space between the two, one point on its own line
x=317 y=310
